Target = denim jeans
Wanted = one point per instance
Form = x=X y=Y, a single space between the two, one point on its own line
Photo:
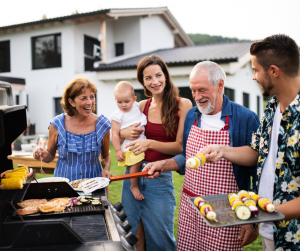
x=156 y=211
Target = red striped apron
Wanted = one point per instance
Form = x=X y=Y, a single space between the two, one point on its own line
x=210 y=179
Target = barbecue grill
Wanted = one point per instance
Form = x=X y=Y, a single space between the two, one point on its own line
x=86 y=227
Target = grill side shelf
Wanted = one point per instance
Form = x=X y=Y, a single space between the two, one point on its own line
x=15 y=195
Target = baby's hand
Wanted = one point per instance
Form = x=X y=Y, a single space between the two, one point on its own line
x=120 y=155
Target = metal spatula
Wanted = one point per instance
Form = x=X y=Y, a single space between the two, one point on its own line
x=93 y=184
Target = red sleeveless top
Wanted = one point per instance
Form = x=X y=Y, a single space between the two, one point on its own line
x=156 y=132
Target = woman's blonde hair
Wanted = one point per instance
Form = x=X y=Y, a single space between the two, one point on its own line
x=73 y=89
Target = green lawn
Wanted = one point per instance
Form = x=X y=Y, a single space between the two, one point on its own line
x=116 y=187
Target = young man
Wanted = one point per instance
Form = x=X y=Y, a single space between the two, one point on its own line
x=276 y=145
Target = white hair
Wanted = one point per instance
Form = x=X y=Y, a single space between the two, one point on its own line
x=214 y=72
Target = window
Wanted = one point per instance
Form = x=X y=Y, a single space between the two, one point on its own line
x=27 y=102
x=58 y=107
x=186 y=92
x=46 y=51
x=92 y=52
x=119 y=49
x=258 y=106
x=229 y=93
x=5 y=56
x=140 y=95
x=246 y=99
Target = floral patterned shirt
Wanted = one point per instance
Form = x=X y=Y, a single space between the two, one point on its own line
x=287 y=173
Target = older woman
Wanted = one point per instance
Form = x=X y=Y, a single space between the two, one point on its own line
x=79 y=135
x=153 y=217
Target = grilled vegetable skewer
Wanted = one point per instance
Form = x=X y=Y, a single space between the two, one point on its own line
x=205 y=209
x=252 y=206
x=266 y=205
x=241 y=211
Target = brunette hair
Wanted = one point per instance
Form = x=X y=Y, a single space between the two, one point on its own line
x=73 y=89
x=279 y=50
x=170 y=94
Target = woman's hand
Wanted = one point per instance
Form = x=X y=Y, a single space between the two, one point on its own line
x=131 y=132
x=39 y=152
x=120 y=155
x=106 y=173
x=139 y=146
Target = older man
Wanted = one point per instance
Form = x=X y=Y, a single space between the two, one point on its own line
x=215 y=120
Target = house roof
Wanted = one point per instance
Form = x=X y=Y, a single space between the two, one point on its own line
x=188 y=55
x=13 y=80
x=181 y=38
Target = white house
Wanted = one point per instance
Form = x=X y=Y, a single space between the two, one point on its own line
x=234 y=58
x=40 y=58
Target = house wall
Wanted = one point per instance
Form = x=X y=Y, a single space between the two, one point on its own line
x=42 y=85
x=241 y=82
x=123 y=30
x=155 y=34
x=89 y=29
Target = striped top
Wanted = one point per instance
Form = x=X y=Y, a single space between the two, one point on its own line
x=79 y=153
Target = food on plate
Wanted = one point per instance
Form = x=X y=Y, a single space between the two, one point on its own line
x=28 y=210
x=11 y=183
x=196 y=161
x=232 y=197
x=254 y=196
x=198 y=201
x=252 y=206
x=51 y=179
x=75 y=183
x=52 y=207
x=242 y=212
x=207 y=211
x=266 y=205
x=31 y=203
x=243 y=195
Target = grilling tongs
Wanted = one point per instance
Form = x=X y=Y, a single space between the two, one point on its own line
x=93 y=184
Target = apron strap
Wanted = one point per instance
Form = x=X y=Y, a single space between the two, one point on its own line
x=189 y=193
x=225 y=128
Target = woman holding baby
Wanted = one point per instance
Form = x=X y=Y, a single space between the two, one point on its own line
x=152 y=217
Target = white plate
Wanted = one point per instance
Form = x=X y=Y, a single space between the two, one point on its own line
x=22 y=153
x=104 y=183
x=51 y=179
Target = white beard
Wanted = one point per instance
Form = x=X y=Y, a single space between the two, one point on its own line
x=208 y=109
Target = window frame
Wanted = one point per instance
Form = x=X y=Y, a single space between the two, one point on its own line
x=245 y=93
x=7 y=68
x=118 y=44
x=233 y=92
x=58 y=64
x=88 y=57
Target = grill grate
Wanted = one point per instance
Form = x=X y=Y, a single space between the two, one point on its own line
x=76 y=210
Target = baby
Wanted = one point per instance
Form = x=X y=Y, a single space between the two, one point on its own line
x=128 y=114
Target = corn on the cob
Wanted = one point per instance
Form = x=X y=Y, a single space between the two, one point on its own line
x=12 y=183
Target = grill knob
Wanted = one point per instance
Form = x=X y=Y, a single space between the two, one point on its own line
x=118 y=206
x=126 y=226
x=131 y=239
x=122 y=215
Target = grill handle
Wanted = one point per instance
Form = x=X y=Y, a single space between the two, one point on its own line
x=129 y=176
x=8 y=89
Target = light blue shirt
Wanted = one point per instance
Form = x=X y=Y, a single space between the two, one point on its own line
x=79 y=153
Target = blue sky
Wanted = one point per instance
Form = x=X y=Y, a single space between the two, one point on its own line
x=244 y=19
